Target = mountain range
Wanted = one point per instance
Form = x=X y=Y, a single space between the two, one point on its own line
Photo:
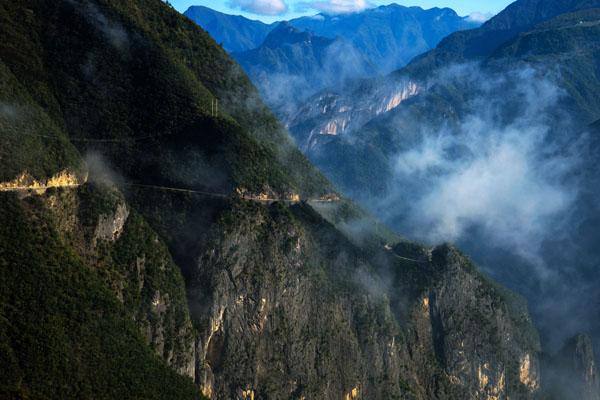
x=291 y=65
x=290 y=61
x=162 y=237
x=389 y=36
x=234 y=33
x=434 y=127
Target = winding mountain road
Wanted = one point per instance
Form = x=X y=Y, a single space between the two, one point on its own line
x=257 y=199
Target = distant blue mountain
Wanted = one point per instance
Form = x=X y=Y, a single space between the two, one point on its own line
x=292 y=65
x=390 y=36
x=290 y=61
x=235 y=33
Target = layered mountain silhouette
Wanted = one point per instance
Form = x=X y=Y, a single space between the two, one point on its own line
x=291 y=65
x=290 y=61
x=162 y=238
x=390 y=36
x=235 y=33
x=483 y=83
x=566 y=42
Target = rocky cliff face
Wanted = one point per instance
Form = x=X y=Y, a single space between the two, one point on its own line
x=287 y=307
x=283 y=316
x=501 y=360
x=341 y=113
x=123 y=291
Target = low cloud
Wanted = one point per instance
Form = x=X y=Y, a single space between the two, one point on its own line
x=479 y=17
x=500 y=174
x=502 y=184
x=113 y=31
x=510 y=178
x=284 y=90
x=260 y=7
x=101 y=171
x=337 y=6
x=8 y=111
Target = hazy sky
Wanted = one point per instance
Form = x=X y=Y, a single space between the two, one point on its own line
x=272 y=10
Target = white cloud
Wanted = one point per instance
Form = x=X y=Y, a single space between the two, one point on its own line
x=479 y=17
x=338 y=6
x=503 y=184
x=261 y=7
x=507 y=178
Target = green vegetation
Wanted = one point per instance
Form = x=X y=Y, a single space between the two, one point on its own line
x=63 y=334
x=29 y=140
x=83 y=314
x=569 y=41
x=138 y=74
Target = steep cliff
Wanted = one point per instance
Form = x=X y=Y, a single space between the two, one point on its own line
x=393 y=154
x=134 y=262
x=288 y=307
x=190 y=246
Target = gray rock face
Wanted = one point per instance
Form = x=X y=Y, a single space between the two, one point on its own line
x=285 y=311
x=276 y=326
x=110 y=226
x=481 y=335
x=340 y=113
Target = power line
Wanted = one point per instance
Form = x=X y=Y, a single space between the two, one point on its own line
x=111 y=140
x=212 y=194
x=172 y=189
x=409 y=259
x=214 y=107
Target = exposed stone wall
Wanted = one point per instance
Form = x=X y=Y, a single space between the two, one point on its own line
x=282 y=315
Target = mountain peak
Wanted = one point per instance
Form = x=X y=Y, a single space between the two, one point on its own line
x=285 y=34
x=285 y=26
x=235 y=32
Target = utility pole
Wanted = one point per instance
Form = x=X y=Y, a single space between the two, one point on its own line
x=214 y=107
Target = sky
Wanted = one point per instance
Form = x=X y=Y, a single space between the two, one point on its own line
x=275 y=10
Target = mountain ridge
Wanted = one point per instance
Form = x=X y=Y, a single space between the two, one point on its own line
x=560 y=49
x=291 y=64
x=517 y=17
x=408 y=31
x=366 y=44
x=392 y=32
x=249 y=34
x=182 y=295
